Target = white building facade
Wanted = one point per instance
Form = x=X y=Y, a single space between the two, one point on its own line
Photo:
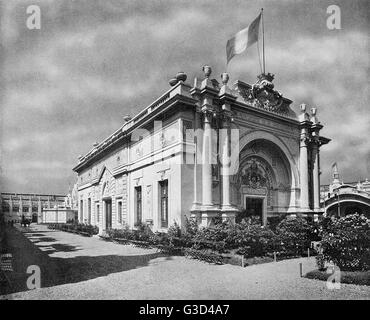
x=207 y=151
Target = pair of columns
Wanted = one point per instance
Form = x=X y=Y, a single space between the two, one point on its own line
x=205 y=208
x=207 y=162
x=208 y=209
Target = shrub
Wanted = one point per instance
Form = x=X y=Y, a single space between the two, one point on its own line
x=249 y=237
x=253 y=239
x=190 y=229
x=174 y=231
x=293 y=235
x=175 y=236
x=213 y=237
x=80 y=227
x=320 y=261
x=346 y=242
x=273 y=222
x=142 y=233
x=124 y=233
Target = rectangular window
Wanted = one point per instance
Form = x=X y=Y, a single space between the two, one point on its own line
x=89 y=211
x=138 y=208
x=97 y=212
x=163 y=195
x=119 y=211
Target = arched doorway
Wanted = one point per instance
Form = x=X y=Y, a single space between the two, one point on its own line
x=262 y=187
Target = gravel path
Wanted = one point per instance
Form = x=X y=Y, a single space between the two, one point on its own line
x=88 y=268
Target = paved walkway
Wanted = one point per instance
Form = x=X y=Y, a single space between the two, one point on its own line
x=75 y=267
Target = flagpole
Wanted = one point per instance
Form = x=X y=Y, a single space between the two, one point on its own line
x=263 y=41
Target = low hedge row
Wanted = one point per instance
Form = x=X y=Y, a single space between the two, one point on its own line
x=80 y=228
x=291 y=237
x=351 y=277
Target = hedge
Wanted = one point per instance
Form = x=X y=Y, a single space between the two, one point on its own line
x=83 y=229
x=351 y=277
x=248 y=238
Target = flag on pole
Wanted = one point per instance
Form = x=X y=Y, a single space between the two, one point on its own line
x=243 y=39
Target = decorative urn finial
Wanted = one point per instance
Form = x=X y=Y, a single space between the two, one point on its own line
x=207 y=71
x=127 y=118
x=173 y=82
x=225 y=78
x=314 y=118
x=181 y=76
x=303 y=107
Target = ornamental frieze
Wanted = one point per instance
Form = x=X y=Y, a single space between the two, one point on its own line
x=265 y=122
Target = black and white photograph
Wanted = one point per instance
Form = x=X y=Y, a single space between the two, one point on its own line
x=202 y=152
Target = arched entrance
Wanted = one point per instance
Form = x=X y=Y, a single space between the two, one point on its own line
x=262 y=187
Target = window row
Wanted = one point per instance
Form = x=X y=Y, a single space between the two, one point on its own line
x=138 y=207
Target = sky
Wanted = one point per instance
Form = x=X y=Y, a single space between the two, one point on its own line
x=70 y=83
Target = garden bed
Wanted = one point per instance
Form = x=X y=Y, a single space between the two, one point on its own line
x=80 y=229
x=350 y=277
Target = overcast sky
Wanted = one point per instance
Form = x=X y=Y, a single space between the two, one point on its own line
x=69 y=84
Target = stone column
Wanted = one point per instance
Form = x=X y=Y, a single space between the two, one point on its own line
x=225 y=170
x=316 y=175
x=195 y=92
x=227 y=99
x=315 y=132
x=207 y=159
x=197 y=169
x=303 y=168
x=303 y=158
